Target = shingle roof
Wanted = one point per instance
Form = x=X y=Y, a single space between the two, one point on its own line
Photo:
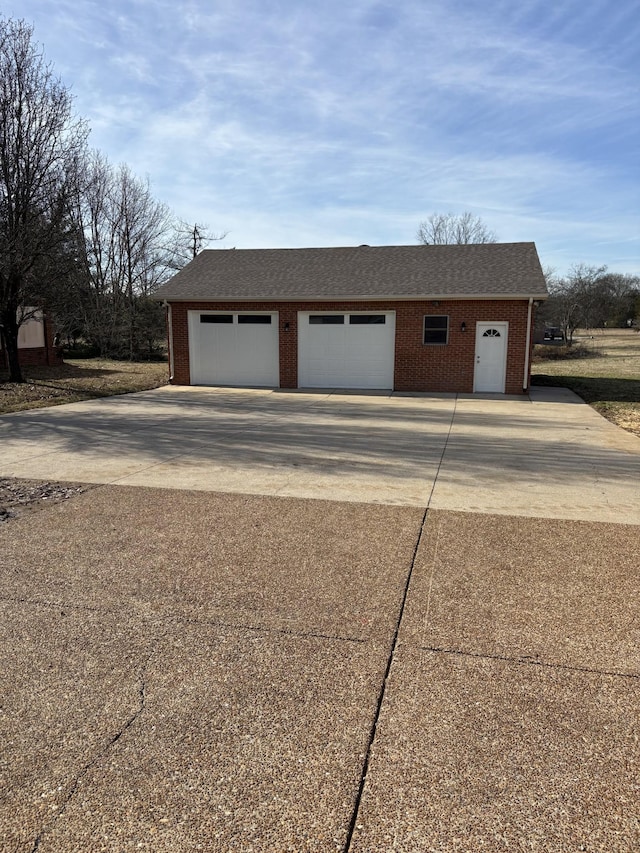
x=364 y=272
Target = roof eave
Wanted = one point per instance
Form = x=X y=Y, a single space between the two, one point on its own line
x=427 y=297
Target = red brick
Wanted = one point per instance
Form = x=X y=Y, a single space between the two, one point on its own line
x=418 y=367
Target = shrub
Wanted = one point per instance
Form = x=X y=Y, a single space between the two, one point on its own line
x=543 y=352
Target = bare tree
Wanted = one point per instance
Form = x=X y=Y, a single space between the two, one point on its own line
x=589 y=297
x=96 y=308
x=624 y=293
x=129 y=244
x=581 y=300
x=41 y=145
x=451 y=228
x=128 y=250
x=142 y=227
x=190 y=240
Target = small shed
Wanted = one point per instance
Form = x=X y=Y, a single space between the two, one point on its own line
x=36 y=345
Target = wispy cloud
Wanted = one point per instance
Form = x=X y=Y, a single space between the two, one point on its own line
x=295 y=125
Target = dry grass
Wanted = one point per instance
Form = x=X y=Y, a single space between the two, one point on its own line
x=607 y=377
x=81 y=379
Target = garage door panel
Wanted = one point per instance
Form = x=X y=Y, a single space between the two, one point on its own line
x=243 y=351
x=355 y=353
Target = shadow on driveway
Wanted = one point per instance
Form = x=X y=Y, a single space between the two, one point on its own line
x=484 y=455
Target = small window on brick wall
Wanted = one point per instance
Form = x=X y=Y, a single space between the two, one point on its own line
x=436 y=329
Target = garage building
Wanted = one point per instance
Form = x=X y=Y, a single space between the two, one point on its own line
x=403 y=318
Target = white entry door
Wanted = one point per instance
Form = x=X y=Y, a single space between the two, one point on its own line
x=491 y=357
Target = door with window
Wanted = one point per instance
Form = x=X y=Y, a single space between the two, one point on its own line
x=491 y=357
x=234 y=348
x=346 y=349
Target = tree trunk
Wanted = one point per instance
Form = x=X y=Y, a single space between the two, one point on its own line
x=10 y=340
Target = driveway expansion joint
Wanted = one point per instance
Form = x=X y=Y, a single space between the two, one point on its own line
x=374 y=726
x=436 y=476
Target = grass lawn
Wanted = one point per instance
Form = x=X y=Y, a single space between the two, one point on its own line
x=81 y=379
x=607 y=377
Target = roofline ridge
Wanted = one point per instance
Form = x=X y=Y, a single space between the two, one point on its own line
x=369 y=246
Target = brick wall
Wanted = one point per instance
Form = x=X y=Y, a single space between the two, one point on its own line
x=451 y=367
x=33 y=356
x=418 y=367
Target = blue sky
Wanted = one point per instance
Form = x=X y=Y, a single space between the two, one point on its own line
x=289 y=125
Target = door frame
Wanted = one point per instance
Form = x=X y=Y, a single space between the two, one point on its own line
x=481 y=327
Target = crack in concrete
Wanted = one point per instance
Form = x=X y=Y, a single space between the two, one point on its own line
x=265 y=629
x=101 y=754
x=528 y=660
x=171 y=618
x=58 y=605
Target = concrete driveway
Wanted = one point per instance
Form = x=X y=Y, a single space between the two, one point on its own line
x=241 y=666
x=548 y=455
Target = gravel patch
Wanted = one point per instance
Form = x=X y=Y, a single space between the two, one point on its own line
x=20 y=496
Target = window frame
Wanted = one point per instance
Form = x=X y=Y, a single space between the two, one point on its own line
x=367 y=318
x=331 y=318
x=251 y=318
x=446 y=329
x=222 y=318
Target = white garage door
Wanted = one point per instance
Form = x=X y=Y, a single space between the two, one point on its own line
x=228 y=348
x=346 y=350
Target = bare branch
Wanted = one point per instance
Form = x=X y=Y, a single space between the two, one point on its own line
x=450 y=228
x=41 y=145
